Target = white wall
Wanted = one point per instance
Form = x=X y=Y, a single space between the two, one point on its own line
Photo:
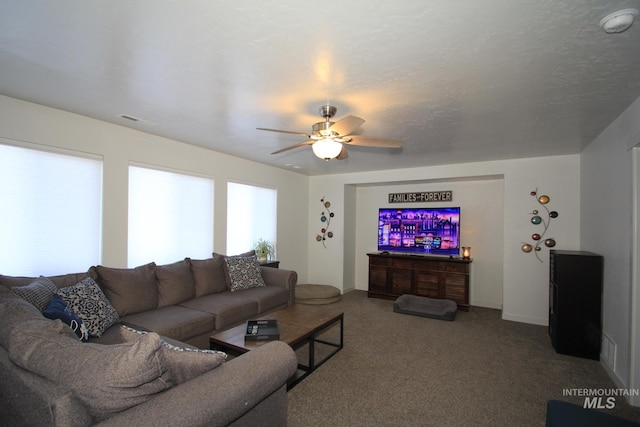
x=481 y=219
x=326 y=262
x=608 y=229
x=593 y=194
x=34 y=125
x=524 y=278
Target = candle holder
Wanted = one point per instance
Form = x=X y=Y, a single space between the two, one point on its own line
x=466 y=252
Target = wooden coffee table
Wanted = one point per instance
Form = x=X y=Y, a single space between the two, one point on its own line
x=298 y=325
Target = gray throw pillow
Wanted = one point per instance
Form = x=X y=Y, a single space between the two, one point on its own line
x=107 y=378
x=91 y=305
x=38 y=293
x=244 y=273
x=182 y=363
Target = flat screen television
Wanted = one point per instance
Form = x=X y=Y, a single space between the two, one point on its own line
x=424 y=231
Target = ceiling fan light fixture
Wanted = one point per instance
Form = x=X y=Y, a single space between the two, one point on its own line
x=326 y=149
x=327 y=137
x=619 y=21
x=323 y=129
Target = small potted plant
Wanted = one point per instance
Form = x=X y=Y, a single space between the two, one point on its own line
x=265 y=250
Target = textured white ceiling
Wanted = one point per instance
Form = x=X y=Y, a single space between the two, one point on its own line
x=458 y=81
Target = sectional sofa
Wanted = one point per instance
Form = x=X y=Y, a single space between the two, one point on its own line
x=146 y=360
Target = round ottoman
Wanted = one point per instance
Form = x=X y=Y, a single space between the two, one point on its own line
x=317 y=294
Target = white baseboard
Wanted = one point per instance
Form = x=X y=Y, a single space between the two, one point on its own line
x=484 y=304
x=620 y=383
x=525 y=319
x=616 y=379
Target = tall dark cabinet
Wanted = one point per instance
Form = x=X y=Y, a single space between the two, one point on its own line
x=575 y=303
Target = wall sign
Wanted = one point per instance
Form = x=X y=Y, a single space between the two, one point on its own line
x=421 y=196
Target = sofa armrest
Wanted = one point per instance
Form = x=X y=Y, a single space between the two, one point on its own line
x=279 y=277
x=220 y=396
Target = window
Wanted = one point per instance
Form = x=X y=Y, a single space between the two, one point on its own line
x=170 y=216
x=51 y=214
x=251 y=215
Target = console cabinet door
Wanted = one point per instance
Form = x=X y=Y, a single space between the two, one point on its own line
x=428 y=284
x=378 y=279
x=402 y=276
x=456 y=288
x=401 y=281
x=393 y=275
x=378 y=272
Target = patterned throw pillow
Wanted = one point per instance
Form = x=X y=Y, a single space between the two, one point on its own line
x=88 y=301
x=38 y=293
x=183 y=363
x=244 y=273
x=58 y=309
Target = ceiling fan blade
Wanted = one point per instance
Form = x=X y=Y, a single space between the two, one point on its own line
x=370 y=141
x=343 y=153
x=286 y=131
x=346 y=125
x=291 y=147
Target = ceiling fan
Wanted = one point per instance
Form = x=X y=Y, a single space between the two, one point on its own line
x=327 y=138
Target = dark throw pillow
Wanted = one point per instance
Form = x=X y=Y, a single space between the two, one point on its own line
x=38 y=293
x=58 y=309
x=91 y=305
x=244 y=273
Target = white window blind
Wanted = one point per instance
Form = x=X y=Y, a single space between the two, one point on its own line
x=170 y=216
x=51 y=213
x=251 y=215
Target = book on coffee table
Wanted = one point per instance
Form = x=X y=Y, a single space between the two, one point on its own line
x=258 y=330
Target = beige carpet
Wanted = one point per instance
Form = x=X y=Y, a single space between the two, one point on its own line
x=401 y=370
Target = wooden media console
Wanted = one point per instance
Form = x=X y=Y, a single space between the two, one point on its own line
x=392 y=275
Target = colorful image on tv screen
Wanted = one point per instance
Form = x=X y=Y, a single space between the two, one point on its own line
x=427 y=231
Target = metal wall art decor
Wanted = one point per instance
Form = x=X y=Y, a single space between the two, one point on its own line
x=538 y=219
x=325 y=218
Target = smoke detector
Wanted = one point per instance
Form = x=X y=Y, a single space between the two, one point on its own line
x=619 y=21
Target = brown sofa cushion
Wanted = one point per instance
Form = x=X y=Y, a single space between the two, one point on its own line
x=106 y=378
x=14 y=310
x=130 y=290
x=268 y=297
x=175 y=283
x=183 y=363
x=209 y=275
x=229 y=308
x=173 y=321
x=61 y=280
